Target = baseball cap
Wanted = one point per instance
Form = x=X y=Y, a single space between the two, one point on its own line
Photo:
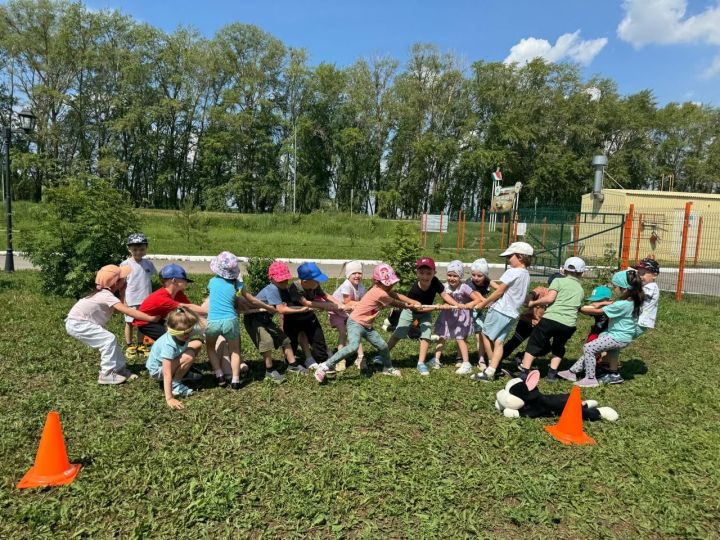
x=600 y=293
x=575 y=264
x=385 y=275
x=310 y=270
x=651 y=265
x=518 y=248
x=425 y=261
x=174 y=271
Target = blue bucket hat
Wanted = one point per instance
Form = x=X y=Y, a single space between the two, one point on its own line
x=174 y=271
x=310 y=270
x=600 y=293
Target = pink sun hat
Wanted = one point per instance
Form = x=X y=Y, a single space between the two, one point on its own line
x=385 y=275
x=225 y=265
x=279 y=271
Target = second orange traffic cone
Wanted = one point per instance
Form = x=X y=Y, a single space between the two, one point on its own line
x=52 y=467
x=569 y=429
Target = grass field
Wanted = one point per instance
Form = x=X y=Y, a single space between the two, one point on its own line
x=312 y=236
x=359 y=457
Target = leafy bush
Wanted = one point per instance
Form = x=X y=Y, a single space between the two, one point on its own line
x=80 y=227
x=256 y=274
x=401 y=252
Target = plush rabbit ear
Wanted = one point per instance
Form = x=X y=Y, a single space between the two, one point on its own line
x=532 y=379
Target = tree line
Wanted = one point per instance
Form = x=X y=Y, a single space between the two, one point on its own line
x=229 y=122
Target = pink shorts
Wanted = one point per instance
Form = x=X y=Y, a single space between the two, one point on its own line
x=338 y=320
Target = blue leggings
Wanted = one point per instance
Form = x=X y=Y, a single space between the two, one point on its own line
x=355 y=333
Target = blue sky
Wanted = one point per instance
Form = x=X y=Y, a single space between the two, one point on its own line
x=669 y=46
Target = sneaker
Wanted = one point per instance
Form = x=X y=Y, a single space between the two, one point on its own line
x=567 y=375
x=238 y=385
x=297 y=368
x=482 y=376
x=386 y=325
x=341 y=365
x=611 y=378
x=320 y=373
x=482 y=366
x=113 y=377
x=458 y=363
x=274 y=376
x=362 y=365
x=378 y=363
x=221 y=381
x=587 y=382
x=310 y=363
x=435 y=363
x=552 y=377
x=192 y=375
x=129 y=375
x=393 y=372
x=423 y=369
x=180 y=390
x=464 y=369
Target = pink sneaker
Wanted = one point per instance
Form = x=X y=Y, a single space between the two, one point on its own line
x=567 y=375
x=320 y=374
x=587 y=382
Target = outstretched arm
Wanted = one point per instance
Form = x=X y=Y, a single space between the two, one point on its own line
x=135 y=313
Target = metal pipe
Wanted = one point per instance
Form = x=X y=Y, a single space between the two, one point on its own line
x=599 y=162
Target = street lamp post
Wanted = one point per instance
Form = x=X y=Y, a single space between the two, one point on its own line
x=27 y=124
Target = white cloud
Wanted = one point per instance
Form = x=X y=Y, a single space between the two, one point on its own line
x=664 y=22
x=713 y=70
x=567 y=47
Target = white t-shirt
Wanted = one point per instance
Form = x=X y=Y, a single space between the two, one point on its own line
x=648 y=311
x=347 y=289
x=97 y=308
x=518 y=281
x=139 y=285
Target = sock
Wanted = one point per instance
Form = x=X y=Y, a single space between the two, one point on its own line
x=481 y=360
x=236 y=379
x=219 y=373
x=490 y=371
x=552 y=371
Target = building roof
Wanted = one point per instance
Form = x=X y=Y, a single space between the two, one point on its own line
x=665 y=194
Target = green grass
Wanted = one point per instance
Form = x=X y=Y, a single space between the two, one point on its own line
x=359 y=457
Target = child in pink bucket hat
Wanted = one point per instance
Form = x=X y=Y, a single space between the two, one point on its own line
x=360 y=322
x=264 y=333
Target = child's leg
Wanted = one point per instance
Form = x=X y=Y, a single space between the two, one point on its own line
x=342 y=335
x=234 y=348
x=480 y=346
x=522 y=332
x=496 y=356
x=422 y=353
x=439 y=348
x=267 y=357
x=316 y=339
x=112 y=358
x=182 y=365
x=376 y=340
x=304 y=344
x=211 y=343
x=587 y=361
x=355 y=332
x=463 y=348
x=129 y=333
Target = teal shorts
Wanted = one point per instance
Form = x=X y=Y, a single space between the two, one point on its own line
x=227 y=328
x=497 y=325
x=407 y=318
x=478 y=316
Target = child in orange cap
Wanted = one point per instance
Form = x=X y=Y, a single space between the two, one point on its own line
x=360 y=322
x=88 y=318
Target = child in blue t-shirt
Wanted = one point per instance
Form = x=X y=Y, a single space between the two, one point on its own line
x=170 y=360
x=623 y=315
x=224 y=290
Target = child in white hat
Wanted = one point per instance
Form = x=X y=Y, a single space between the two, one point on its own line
x=348 y=293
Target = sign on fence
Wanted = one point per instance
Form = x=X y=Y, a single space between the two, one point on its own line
x=521 y=229
x=434 y=223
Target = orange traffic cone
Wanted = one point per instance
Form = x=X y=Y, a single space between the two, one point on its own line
x=569 y=430
x=52 y=467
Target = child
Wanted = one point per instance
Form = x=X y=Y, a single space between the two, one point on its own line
x=648 y=269
x=457 y=324
x=88 y=318
x=304 y=327
x=506 y=300
x=224 y=290
x=559 y=322
x=423 y=291
x=479 y=282
x=623 y=315
x=264 y=333
x=360 y=323
x=599 y=297
x=348 y=294
x=139 y=285
x=170 y=360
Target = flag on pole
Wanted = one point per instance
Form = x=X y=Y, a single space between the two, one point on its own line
x=497 y=176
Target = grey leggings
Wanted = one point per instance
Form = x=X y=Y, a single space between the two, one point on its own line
x=587 y=361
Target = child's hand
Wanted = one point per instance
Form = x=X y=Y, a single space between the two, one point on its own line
x=175 y=404
x=347 y=308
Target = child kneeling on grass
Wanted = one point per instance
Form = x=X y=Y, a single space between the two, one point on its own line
x=88 y=318
x=170 y=359
x=360 y=322
x=622 y=329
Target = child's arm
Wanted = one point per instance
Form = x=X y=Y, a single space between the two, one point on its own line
x=284 y=309
x=449 y=300
x=325 y=305
x=497 y=293
x=405 y=305
x=167 y=386
x=546 y=300
x=591 y=310
x=254 y=301
x=475 y=299
x=198 y=310
x=407 y=302
x=134 y=313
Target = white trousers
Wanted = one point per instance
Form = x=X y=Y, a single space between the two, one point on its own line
x=97 y=337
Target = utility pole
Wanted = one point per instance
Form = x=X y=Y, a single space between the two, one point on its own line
x=294 y=165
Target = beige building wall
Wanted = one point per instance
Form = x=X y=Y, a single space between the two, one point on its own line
x=657 y=225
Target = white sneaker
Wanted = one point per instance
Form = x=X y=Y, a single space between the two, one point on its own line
x=393 y=372
x=464 y=369
x=111 y=378
x=341 y=365
x=386 y=325
x=320 y=372
x=310 y=363
x=434 y=364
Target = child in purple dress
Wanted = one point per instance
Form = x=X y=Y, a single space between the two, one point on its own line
x=457 y=323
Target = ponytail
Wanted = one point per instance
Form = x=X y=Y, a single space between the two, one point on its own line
x=634 y=292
